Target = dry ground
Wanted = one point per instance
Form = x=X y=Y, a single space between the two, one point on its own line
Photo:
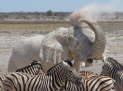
x=32 y=27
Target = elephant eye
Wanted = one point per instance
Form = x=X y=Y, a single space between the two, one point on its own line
x=77 y=44
x=90 y=60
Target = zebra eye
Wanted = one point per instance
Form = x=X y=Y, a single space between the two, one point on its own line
x=77 y=43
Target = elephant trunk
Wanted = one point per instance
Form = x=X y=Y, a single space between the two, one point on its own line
x=98 y=46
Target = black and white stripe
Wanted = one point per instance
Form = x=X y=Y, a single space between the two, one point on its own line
x=91 y=82
x=110 y=67
x=55 y=78
x=34 y=68
x=113 y=69
x=99 y=83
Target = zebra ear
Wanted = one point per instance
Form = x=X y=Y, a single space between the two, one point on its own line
x=72 y=61
x=105 y=59
x=68 y=63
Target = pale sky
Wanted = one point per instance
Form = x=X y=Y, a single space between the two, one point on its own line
x=58 y=5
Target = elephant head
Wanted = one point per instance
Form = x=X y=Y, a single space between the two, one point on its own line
x=80 y=47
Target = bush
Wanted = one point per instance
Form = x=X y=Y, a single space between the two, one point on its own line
x=49 y=13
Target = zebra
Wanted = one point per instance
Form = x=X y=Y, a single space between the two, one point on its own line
x=119 y=80
x=1 y=86
x=34 y=68
x=91 y=82
x=99 y=83
x=3 y=77
x=55 y=78
x=113 y=69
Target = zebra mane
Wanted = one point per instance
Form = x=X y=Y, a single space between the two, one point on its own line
x=28 y=66
x=35 y=62
x=50 y=70
x=60 y=65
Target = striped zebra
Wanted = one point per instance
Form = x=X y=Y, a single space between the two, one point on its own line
x=91 y=82
x=33 y=68
x=113 y=69
x=3 y=77
x=1 y=86
x=55 y=78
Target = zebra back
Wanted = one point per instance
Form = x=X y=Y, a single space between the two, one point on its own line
x=87 y=74
x=34 y=68
x=95 y=82
x=99 y=83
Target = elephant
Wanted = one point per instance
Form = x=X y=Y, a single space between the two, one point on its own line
x=64 y=43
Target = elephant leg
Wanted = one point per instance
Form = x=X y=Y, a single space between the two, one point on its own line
x=11 y=66
x=77 y=65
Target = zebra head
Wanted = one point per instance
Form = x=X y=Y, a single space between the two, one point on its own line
x=111 y=65
x=64 y=72
x=37 y=63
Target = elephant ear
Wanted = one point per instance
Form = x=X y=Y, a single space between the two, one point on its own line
x=54 y=49
x=67 y=42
